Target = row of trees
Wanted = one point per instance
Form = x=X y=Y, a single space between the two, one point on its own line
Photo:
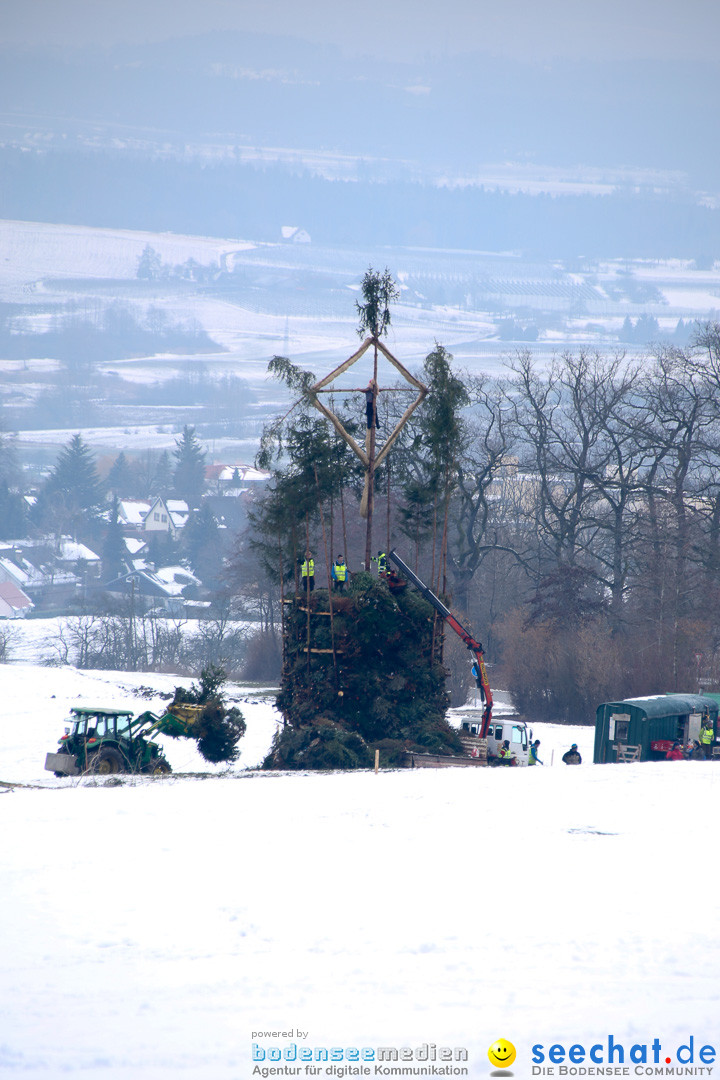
x=73 y=498
x=571 y=513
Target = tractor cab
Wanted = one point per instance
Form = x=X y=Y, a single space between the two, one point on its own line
x=107 y=741
x=96 y=724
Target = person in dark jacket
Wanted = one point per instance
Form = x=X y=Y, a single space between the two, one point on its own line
x=572 y=756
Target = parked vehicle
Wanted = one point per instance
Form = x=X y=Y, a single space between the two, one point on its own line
x=645 y=728
x=482 y=737
x=108 y=741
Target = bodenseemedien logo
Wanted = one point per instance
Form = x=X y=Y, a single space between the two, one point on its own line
x=339 y=1062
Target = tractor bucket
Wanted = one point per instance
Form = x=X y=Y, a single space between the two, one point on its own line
x=179 y=719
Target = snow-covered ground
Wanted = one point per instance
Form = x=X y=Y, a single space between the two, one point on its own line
x=154 y=928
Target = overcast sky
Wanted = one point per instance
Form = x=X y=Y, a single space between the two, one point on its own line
x=406 y=29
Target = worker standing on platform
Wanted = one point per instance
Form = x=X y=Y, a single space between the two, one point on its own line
x=381 y=560
x=339 y=574
x=308 y=572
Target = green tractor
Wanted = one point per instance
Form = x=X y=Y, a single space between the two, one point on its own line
x=108 y=741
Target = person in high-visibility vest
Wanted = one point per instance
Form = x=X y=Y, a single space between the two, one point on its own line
x=308 y=572
x=381 y=560
x=505 y=754
x=339 y=574
x=707 y=735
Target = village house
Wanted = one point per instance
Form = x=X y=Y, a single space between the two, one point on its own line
x=14 y=603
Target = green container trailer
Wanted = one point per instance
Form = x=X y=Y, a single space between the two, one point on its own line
x=644 y=729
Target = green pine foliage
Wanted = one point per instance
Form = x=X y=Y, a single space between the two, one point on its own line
x=387 y=690
x=189 y=474
x=218 y=729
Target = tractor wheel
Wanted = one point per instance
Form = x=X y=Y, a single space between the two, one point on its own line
x=158 y=767
x=107 y=762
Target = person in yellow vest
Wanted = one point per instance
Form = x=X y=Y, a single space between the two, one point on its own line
x=505 y=754
x=381 y=560
x=339 y=574
x=308 y=572
x=707 y=735
x=533 y=759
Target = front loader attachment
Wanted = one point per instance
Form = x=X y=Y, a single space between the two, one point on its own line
x=177 y=721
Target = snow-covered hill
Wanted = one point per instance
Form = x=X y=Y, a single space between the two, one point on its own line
x=154 y=928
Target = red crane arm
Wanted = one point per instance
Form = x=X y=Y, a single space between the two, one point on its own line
x=479 y=669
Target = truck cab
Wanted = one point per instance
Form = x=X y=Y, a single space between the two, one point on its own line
x=517 y=733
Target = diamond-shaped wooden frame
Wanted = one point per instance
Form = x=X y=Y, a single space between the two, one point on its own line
x=337 y=424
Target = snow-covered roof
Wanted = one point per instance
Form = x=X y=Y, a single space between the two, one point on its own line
x=14 y=597
x=175 y=578
x=133 y=544
x=179 y=512
x=72 y=551
x=248 y=474
x=133 y=511
x=22 y=572
x=14 y=572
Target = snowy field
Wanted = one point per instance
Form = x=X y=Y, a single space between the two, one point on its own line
x=153 y=928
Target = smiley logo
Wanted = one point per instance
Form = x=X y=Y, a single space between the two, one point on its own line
x=501 y=1054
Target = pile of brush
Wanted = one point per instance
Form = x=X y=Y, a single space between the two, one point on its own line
x=217 y=728
x=367 y=676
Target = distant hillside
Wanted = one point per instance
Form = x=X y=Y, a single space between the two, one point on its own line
x=270 y=90
x=130 y=190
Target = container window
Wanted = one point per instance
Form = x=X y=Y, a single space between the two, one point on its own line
x=621 y=730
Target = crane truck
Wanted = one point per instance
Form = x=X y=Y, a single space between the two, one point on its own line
x=108 y=741
x=481 y=736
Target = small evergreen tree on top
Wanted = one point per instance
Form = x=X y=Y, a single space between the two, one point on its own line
x=379 y=290
x=189 y=475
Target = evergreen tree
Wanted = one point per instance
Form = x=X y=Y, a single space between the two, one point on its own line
x=432 y=450
x=9 y=470
x=378 y=290
x=13 y=520
x=150 y=267
x=309 y=467
x=120 y=479
x=162 y=477
x=218 y=729
x=72 y=497
x=114 y=550
x=202 y=544
x=189 y=474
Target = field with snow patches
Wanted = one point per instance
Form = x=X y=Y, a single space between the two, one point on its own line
x=151 y=926
x=458 y=298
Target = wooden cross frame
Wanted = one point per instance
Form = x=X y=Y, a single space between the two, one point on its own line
x=368 y=457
